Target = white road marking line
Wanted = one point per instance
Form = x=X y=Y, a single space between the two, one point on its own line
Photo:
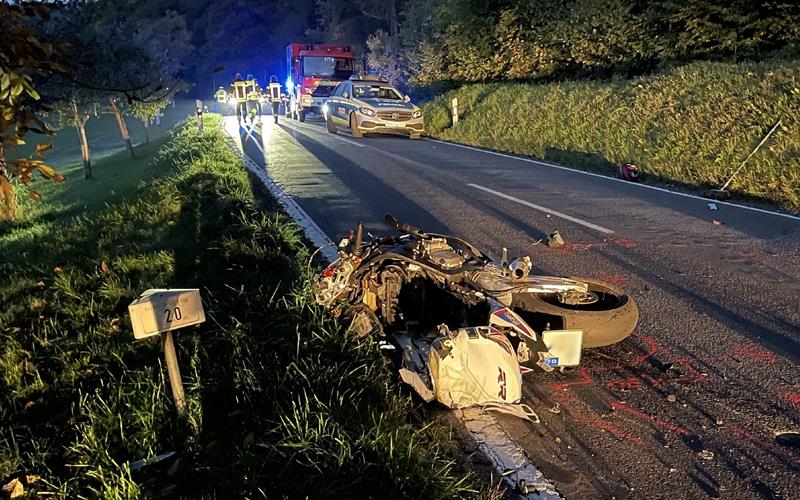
x=354 y=143
x=663 y=190
x=544 y=209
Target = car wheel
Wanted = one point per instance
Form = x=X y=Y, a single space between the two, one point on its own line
x=354 y=126
x=329 y=126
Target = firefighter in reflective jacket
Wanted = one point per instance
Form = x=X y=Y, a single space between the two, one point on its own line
x=221 y=96
x=253 y=97
x=274 y=96
x=238 y=92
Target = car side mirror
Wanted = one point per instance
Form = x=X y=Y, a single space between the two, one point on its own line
x=406 y=98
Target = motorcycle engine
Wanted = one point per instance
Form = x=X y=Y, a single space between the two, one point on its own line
x=438 y=251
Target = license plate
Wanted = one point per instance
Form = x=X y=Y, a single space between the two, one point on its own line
x=564 y=347
x=396 y=124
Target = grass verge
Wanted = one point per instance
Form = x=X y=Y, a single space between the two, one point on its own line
x=115 y=178
x=690 y=125
x=282 y=402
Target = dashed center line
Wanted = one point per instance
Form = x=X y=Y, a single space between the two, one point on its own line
x=546 y=210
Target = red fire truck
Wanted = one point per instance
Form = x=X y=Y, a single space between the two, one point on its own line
x=314 y=71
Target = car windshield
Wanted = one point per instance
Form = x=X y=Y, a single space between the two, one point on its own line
x=376 y=92
x=327 y=66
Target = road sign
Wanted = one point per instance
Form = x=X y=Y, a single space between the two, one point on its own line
x=157 y=311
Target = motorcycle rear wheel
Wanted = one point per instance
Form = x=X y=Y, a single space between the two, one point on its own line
x=610 y=319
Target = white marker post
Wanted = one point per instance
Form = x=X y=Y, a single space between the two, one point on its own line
x=198 y=104
x=455 y=110
x=158 y=312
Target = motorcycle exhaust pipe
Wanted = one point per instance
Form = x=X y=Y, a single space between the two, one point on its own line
x=359 y=240
x=520 y=268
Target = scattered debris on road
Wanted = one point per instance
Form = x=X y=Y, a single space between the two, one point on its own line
x=706 y=454
x=555 y=240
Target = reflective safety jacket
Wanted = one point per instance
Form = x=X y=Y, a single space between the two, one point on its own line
x=253 y=91
x=274 y=94
x=239 y=90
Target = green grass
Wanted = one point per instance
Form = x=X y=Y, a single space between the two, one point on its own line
x=281 y=400
x=103 y=134
x=115 y=177
x=690 y=125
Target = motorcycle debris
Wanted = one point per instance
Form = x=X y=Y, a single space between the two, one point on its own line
x=138 y=464
x=706 y=455
x=556 y=408
x=555 y=240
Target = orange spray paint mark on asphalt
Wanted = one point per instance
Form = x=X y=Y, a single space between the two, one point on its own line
x=751 y=352
x=790 y=397
x=652 y=347
x=624 y=243
x=608 y=427
x=614 y=279
x=619 y=406
x=568 y=398
x=625 y=384
x=585 y=379
x=752 y=256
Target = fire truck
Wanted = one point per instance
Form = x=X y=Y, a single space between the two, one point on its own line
x=314 y=71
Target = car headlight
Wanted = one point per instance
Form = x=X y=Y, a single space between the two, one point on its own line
x=416 y=114
x=366 y=111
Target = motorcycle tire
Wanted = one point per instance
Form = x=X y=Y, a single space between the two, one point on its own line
x=609 y=320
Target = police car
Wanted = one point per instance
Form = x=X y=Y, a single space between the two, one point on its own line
x=368 y=104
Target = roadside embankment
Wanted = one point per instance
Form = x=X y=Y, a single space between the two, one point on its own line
x=690 y=125
x=281 y=401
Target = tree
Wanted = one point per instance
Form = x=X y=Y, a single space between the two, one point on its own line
x=74 y=110
x=148 y=110
x=120 y=59
x=23 y=56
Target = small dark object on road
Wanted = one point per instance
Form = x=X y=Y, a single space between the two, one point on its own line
x=788 y=439
x=555 y=240
x=628 y=172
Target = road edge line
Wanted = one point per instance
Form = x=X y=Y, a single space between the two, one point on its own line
x=606 y=177
x=312 y=231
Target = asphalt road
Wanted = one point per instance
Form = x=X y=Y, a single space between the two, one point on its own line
x=687 y=407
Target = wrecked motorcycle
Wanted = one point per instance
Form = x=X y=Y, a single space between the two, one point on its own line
x=412 y=283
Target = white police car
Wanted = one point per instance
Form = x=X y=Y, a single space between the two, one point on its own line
x=367 y=104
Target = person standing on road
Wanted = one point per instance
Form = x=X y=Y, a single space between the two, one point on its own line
x=238 y=92
x=253 y=98
x=274 y=96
